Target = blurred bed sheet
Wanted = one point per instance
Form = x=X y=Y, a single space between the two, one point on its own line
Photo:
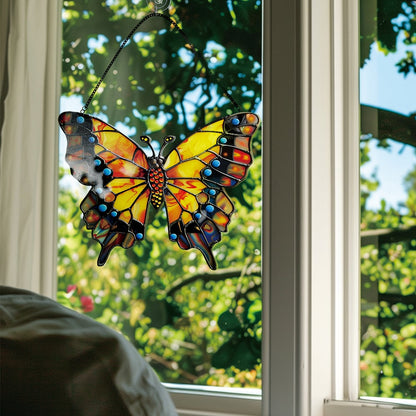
x=55 y=361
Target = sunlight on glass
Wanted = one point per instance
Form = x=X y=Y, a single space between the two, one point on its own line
x=194 y=325
x=388 y=199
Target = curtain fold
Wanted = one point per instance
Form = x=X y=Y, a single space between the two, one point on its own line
x=29 y=148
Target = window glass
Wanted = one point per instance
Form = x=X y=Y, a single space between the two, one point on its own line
x=388 y=199
x=193 y=324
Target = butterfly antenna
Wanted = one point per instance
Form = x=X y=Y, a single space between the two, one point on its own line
x=166 y=140
x=147 y=140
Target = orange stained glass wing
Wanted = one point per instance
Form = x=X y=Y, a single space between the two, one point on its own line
x=125 y=199
x=185 y=229
x=220 y=151
x=116 y=168
x=173 y=209
x=195 y=144
x=122 y=168
x=221 y=220
x=119 y=185
x=224 y=203
x=241 y=157
x=104 y=154
x=139 y=208
x=243 y=143
x=102 y=226
x=219 y=156
x=192 y=186
x=125 y=216
x=186 y=200
x=237 y=171
x=117 y=143
x=188 y=169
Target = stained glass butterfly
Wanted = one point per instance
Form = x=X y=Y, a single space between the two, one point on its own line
x=190 y=181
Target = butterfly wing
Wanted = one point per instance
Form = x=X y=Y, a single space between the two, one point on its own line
x=116 y=168
x=197 y=171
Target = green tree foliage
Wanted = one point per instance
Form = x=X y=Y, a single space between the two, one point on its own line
x=167 y=302
x=156 y=75
x=388 y=252
x=176 y=311
x=388 y=294
x=383 y=22
x=388 y=285
x=192 y=324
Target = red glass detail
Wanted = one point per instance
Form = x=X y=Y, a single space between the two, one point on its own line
x=156 y=182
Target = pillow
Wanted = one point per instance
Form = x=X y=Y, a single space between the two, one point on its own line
x=55 y=361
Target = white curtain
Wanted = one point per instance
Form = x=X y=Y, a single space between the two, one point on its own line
x=30 y=84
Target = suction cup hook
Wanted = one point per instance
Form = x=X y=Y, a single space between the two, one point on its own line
x=159 y=5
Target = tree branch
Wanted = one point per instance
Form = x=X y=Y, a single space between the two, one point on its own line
x=384 y=124
x=387 y=235
x=215 y=276
x=172 y=365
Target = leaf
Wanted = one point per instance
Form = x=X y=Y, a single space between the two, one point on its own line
x=380 y=341
x=227 y=321
x=63 y=299
x=410 y=343
x=408 y=331
x=252 y=313
x=156 y=311
x=137 y=309
x=223 y=358
x=244 y=358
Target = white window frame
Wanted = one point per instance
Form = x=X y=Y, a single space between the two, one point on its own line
x=311 y=221
x=330 y=196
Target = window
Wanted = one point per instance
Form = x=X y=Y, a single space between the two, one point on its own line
x=311 y=236
x=30 y=75
x=345 y=378
x=388 y=189
x=193 y=325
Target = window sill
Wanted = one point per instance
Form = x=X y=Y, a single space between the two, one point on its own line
x=194 y=400
x=368 y=408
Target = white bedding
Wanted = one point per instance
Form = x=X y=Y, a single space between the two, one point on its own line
x=55 y=361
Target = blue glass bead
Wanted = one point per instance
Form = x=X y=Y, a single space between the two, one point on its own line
x=97 y=162
x=210 y=208
x=212 y=192
x=235 y=121
x=207 y=172
x=80 y=119
x=223 y=140
x=91 y=139
x=113 y=214
x=99 y=190
x=215 y=163
x=107 y=172
x=198 y=215
x=139 y=236
x=173 y=236
x=102 y=207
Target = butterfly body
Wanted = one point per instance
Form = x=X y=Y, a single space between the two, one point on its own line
x=157 y=185
x=156 y=180
x=190 y=181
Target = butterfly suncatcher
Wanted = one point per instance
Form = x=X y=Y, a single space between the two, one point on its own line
x=189 y=181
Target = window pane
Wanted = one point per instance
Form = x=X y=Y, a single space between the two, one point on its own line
x=388 y=199
x=193 y=324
